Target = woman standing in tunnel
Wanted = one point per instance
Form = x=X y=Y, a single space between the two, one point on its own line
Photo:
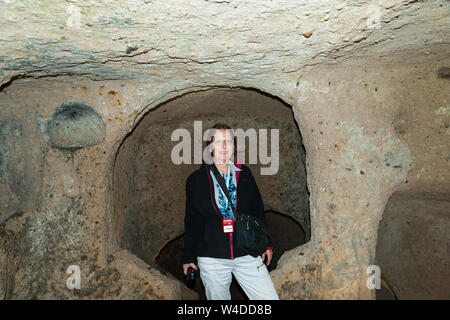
x=206 y=238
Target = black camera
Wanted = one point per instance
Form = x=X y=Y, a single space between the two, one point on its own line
x=190 y=278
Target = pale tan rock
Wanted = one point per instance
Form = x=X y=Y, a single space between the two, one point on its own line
x=307 y=33
x=365 y=92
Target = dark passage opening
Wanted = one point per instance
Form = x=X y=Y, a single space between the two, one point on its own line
x=285 y=232
x=413 y=247
x=149 y=187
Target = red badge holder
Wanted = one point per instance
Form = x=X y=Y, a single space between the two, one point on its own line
x=228 y=225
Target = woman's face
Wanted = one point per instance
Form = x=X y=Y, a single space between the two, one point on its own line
x=223 y=146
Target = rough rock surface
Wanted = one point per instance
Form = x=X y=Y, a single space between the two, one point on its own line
x=362 y=80
x=150 y=189
x=74 y=126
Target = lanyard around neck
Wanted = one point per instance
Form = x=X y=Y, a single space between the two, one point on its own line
x=228 y=176
x=227 y=182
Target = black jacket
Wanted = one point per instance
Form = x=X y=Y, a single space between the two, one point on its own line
x=203 y=235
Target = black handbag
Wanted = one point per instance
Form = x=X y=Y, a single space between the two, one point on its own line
x=251 y=233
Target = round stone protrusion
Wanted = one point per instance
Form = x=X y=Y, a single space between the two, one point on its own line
x=76 y=125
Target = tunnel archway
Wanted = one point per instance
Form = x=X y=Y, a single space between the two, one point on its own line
x=149 y=189
x=413 y=246
x=285 y=232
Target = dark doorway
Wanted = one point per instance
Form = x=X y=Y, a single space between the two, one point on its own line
x=285 y=232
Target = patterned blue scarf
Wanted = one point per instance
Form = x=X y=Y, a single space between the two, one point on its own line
x=221 y=199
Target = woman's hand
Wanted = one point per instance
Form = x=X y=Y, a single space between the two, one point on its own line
x=186 y=267
x=267 y=254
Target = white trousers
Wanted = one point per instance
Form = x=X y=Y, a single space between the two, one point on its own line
x=251 y=274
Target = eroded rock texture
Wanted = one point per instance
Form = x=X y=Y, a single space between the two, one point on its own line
x=366 y=83
x=152 y=213
x=75 y=126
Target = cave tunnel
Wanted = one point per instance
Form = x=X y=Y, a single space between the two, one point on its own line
x=149 y=189
x=285 y=232
x=413 y=244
